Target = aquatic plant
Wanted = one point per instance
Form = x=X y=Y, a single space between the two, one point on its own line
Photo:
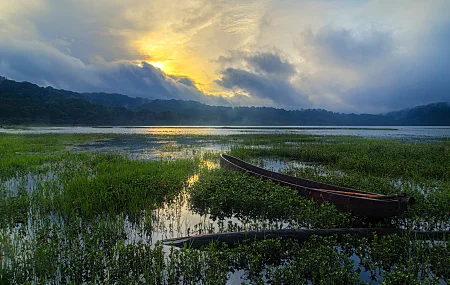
x=90 y=217
x=224 y=194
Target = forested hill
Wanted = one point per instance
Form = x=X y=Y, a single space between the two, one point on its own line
x=29 y=104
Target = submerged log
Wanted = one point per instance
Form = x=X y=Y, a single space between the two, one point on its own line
x=233 y=238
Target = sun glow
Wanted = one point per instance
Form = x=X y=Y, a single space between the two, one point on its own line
x=178 y=59
x=158 y=64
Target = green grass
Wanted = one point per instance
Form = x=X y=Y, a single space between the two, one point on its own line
x=381 y=166
x=21 y=153
x=387 y=158
x=113 y=184
x=72 y=224
x=225 y=194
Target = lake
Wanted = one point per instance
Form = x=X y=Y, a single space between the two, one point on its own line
x=395 y=132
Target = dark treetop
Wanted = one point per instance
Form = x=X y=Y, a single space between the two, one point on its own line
x=29 y=104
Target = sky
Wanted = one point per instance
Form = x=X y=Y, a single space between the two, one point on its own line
x=345 y=56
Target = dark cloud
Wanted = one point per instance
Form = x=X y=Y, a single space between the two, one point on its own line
x=370 y=70
x=262 y=86
x=410 y=79
x=184 y=80
x=270 y=63
x=346 y=46
x=263 y=75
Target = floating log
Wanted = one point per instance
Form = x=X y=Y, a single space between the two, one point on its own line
x=233 y=238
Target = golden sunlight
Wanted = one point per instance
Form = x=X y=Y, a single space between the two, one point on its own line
x=158 y=64
x=175 y=58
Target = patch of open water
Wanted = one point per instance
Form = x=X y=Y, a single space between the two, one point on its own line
x=27 y=183
x=151 y=148
x=278 y=165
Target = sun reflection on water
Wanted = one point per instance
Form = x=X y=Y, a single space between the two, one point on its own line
x=191 y=180
x=179 y=130
x=209 y=164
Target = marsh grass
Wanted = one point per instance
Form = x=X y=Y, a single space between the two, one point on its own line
x=380 y=157
x=225 y=194
x=381 y=166
x=112 y=184
x=89 y=217
x=21 y=153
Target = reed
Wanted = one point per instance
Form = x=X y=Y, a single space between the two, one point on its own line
x=89 y=217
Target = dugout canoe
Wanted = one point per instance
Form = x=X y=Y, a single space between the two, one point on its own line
x=373 y=206
x=301 y=235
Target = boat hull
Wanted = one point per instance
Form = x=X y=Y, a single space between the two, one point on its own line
x=371 y=208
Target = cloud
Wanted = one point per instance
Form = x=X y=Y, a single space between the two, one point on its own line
x=374 y=69
x=352 y=56
x=257 y=85
x=347 y=46
x=271 y=63
x=184 y=80
x=409 y=79
x=262 y=76
x=45 y=65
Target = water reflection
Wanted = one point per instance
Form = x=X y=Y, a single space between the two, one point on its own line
x=277 y=164
x=154 y=148
x=396 y=132
x=179 y=130
x=210 y=164
x=176 y=218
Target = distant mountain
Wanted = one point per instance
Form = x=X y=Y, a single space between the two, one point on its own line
x=26 y=103
x=435 y=114
x=108 y=99
x=29 y=104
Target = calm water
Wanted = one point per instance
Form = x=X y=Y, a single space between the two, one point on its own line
x=381 y=132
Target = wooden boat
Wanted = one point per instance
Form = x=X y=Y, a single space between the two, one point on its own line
x=373 y=206
x=233 y=238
